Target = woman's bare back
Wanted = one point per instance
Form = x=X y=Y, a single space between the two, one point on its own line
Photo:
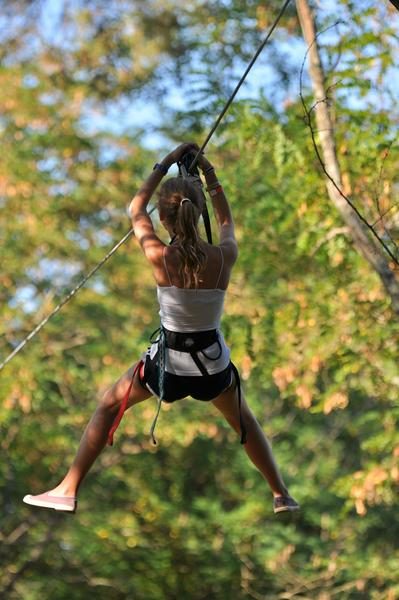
x=216 y=273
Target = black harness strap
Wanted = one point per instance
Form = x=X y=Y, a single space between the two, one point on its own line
x=199 y=364
x=238 y=383
x=193 y=343
x=207 y=223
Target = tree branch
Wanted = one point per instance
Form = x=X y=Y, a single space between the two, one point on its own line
x=359 y=227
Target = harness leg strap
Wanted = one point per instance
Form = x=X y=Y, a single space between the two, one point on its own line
x=238 y=383
x=199 y=364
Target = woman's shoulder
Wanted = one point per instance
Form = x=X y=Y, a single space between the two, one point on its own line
x=229 y=249
x=156 y=251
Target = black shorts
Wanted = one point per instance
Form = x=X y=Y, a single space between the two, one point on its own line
x=177 y=387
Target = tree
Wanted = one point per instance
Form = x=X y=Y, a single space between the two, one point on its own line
x=370 y=249
x=309 y=326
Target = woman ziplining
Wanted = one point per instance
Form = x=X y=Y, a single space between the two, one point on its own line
x=190 y=356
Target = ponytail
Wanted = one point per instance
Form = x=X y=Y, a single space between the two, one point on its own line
x=180 y=203
x=193 y=256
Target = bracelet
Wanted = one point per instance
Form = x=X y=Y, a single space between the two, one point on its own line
x=208 y=170
x=161 y=168
x=212 y=186
x=215 y=191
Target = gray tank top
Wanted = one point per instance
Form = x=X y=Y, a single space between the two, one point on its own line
x=190 y=309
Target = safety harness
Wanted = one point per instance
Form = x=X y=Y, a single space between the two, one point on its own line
x=193 y=344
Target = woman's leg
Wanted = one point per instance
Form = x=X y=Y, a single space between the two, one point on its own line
x=257 y=445
x=95 y=435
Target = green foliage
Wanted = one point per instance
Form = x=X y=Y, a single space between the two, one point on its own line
x=307 y=320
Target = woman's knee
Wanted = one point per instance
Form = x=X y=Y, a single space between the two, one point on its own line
x=108 y=401
x=112 y=398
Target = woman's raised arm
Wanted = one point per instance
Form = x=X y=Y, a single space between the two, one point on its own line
x=141 y=221
x=221 y=208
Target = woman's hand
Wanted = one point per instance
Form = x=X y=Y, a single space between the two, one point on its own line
x=179 y=152
x=202 y=161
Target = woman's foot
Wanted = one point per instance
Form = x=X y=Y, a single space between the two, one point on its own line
x=285 y=504
x=50 y=500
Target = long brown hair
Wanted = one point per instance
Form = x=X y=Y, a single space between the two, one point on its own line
x=180 y=204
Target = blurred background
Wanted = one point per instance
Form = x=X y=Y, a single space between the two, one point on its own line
x=91 y=95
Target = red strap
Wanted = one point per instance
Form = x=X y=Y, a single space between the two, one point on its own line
x=122 y=407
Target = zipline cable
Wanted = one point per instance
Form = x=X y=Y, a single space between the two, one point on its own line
x=66 y=299
x=128 y=235
x=239 y=84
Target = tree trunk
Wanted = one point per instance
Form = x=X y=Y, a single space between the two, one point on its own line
x=360 y=234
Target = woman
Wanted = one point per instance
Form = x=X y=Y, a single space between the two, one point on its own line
x=190 y=356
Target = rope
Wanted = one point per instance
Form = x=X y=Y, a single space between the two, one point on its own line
x=239 y=84
x=66 y=299
x=73 y=292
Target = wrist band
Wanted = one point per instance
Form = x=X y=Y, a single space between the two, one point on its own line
x=212 y=186
x=215 y=191
x=161 y=168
